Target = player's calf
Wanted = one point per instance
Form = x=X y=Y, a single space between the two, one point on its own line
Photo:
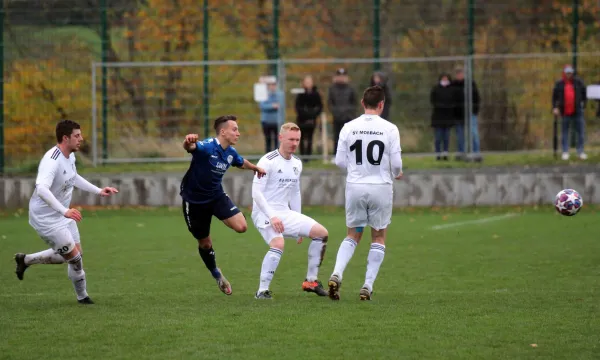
x=77 y=276
x=270 y=264
x=374 y=259
x=316 y=252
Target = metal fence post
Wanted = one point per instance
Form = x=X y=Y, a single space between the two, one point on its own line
x=104 y=55
x=206 y=73
x=2 y=162
x=376 y=33
x=94 y=118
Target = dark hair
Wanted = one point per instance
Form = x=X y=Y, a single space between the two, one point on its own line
x=222 y=120
x=443 y=75
x=65 y=128
x=372 y=96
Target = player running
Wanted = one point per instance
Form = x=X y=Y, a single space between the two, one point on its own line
x=202 y=192
x=276 y=213
x=369 y=148
x=49 y=212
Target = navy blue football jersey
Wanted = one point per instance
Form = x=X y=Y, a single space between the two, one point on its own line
x=202 y=182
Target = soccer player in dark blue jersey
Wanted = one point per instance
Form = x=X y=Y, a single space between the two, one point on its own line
x=202 y=192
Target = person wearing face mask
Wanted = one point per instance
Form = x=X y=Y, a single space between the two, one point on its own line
x=442 y=115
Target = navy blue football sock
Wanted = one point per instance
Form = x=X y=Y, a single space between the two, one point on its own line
x=208 y=256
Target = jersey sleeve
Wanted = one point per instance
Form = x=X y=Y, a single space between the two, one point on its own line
x=265 y=165
x=259 y=186
x=296 y=198
x=238 y=160
x=202 y=147
x=395 y=152
x=46 y=172
x=342 y=140
x=340 y=156
x=395 y=141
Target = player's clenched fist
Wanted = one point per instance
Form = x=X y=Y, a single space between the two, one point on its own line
x=191 y=138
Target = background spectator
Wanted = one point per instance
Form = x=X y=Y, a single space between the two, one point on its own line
x=568 y=100
x=309 y=106
x=270 y=116
x=459 y=86
x=379 y=78
x=442 y=116
x=342 y=103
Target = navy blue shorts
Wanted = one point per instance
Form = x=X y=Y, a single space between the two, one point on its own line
x=198 y=216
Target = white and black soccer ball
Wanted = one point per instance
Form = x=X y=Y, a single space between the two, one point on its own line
x=568 y=202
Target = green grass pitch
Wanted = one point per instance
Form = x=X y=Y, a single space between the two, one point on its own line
x=485 y=287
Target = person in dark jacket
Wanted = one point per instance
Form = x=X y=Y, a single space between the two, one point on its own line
x=568 y=100
x=308 y=108
x=380 y=79
x=442 y=116
x=460 y=111
x=342 y=103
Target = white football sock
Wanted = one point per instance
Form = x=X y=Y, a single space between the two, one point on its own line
x=343 y=256
x=77 y=276
x=44 y=257
x=269 y=265
x=314 y=259
x=374 y=260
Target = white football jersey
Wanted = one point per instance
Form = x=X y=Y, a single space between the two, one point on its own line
x=368 y=141
x=281 y=182
x=59 y=174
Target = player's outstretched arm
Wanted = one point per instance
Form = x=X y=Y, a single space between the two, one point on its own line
x=189 y=144
x=259 y=172
x=85 y=185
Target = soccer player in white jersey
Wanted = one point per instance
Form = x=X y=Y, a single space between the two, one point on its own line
x=49 y=212
x=276 y=213
x=369 y=149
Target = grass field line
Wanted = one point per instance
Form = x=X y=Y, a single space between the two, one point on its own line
x=475 y=222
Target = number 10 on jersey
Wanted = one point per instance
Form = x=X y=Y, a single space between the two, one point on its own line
x=358 y=146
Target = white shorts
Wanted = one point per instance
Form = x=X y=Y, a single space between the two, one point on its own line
x=369 y=204
x=295 y=225
x=62 y=239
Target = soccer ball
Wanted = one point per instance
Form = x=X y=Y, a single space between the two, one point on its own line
x=568 y=202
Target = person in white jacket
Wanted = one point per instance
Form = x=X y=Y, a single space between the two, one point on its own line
x=50 y=213
x=276 y=213
x=369 y=150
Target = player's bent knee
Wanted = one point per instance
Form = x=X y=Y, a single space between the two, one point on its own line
x=378 y=236
x=277 y=243
x=240 y=228
x=318 y=231
x=73 y=254
x=237 y=223
x=205 y=243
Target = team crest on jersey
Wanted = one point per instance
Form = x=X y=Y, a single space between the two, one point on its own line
x=295 y=170
x=229 y=159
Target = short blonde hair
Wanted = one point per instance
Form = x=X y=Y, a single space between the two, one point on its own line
x=288 y=127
